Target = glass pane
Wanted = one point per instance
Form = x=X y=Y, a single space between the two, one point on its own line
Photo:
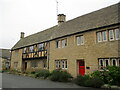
x=104 y=34
x=111 y=35
x=117 y=34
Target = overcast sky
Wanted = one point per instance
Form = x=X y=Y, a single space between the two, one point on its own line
x=31 y=16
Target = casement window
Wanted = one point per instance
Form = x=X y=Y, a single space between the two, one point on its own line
x=104 y=35
x=117 y=34
x=114 y=62
x=58 y=44
x=64 y=43
x=106 y=62
x=99 y=36
x=61 y=64
x=34 y=64
x=41 y=46
x=80 y=40
x=101 y=63
x=24 y=50
x=111 y=35
x=31 y=48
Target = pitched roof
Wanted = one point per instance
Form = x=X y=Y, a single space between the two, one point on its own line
x=5 y=53
x=103 y=17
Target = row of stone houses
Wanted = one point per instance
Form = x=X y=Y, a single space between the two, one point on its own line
x=80 y=46
x=4 y=59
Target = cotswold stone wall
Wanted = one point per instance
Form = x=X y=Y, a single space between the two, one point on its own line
x=89 y=52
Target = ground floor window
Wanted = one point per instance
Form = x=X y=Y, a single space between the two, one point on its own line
x=61 y=64
x=104 y=62
x=34 y=64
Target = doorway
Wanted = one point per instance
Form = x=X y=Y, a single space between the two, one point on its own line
x=81 y=67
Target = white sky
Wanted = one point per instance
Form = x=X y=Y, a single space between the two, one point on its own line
x=31 y=16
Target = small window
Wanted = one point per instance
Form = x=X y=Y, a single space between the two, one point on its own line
x=114 y=62
x=104 y=35
x=107 y=63
x=61 y=64
x=41 y=46
x=117 y=34
x=99 y=36
x=111 y=35
x=80 y=40
x=64 y=43
x=101 y=63
x=31 y=49
x=24 y=50
x=58 y=44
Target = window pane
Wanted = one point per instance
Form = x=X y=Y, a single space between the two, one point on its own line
x=114 y=62
x=99 y=36
x=111 y=35
x=58 y=44
x=104 y=35
x=82 y=40
x=117 y=34
x=31 y=49
x=64 y=43
x=41 y=46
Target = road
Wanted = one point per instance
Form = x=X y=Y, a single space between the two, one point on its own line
x=16 y=81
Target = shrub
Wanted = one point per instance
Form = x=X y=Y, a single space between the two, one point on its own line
x=114 y=72
x=33 y=72
x=60 y=76
x=95 y=82
x=80 y=80
x=42 y=74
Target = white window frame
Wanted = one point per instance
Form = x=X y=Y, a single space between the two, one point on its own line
x=100 y=63
x=117 y=34
x=115 y=62
x=111 y=33
x=104 y=35
x=80 y=40
x=64 y=43
x=58 y=44
x=99 y=36
x=105 y=62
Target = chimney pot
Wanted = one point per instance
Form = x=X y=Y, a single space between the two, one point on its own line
x=22 y=35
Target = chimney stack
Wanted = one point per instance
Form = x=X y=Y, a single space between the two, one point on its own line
x=22 y=35
x=61 y=19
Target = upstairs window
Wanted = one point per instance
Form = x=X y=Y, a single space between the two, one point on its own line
x=31 y=49
x=104 y=35
x=111 y=35
x=24 y=50
x=64 y=43
x=117 y=34
x=58 y=44
x=41 y=46
x=99 y=37
x=80 y=40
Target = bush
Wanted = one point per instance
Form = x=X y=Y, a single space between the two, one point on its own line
x=42 y=74
x=114 y=72
x=95 y=82
x=80 y=80
x=60 y=76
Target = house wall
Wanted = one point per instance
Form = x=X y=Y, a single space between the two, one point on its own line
x=89 y=52
x=16 y=57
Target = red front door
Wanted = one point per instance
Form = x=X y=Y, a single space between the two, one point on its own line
x=81 y=66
